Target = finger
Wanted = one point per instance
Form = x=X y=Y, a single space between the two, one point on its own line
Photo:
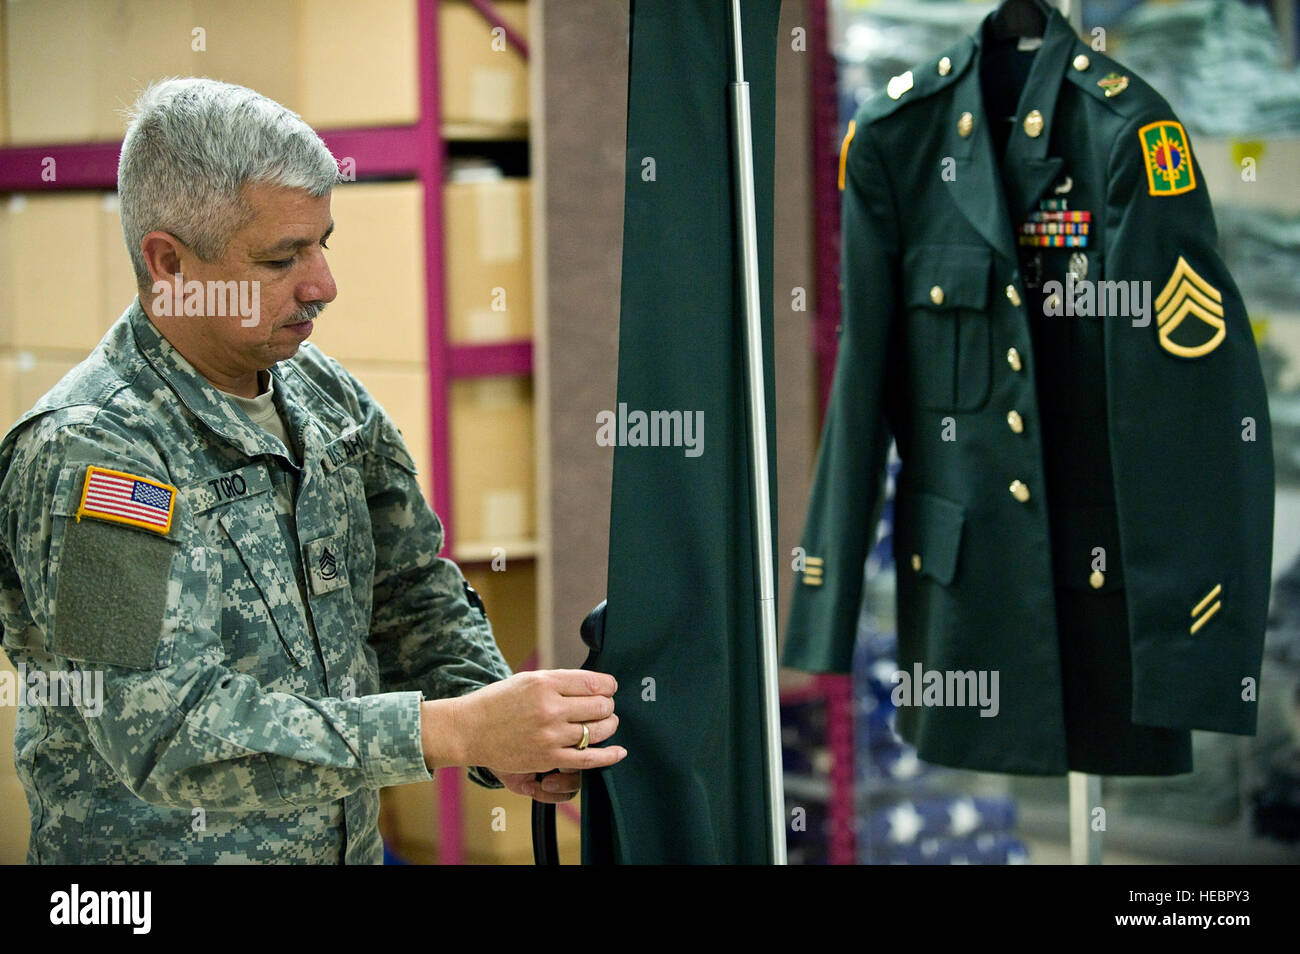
x=586 y=708
x=591 y=758
x=581 y=682
x=558 y=784
x=599 y=731
x=553 y=798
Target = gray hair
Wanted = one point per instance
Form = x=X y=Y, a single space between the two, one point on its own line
x=192 y=145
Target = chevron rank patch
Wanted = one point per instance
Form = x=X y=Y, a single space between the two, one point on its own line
x=812 y=574
x=1188 y=295
x=1168 y=158
x=125 y=498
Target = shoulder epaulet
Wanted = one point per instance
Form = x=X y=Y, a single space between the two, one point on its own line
x=920 y=81
x=1110 y=82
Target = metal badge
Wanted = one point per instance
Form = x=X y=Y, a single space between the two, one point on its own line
x=1078 y=266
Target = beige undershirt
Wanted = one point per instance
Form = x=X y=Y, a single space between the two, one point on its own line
x=261 y=411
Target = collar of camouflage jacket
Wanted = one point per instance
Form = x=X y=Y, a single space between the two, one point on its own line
x=213 y=407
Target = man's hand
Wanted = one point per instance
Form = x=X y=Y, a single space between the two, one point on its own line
x=528 y=723
x=557 y=787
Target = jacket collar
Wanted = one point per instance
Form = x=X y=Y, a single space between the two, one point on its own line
x=208 y=403
x=982 y=185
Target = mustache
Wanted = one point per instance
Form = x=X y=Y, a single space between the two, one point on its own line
x=307 y=312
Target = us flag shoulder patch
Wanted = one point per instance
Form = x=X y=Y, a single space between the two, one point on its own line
x=126 y=498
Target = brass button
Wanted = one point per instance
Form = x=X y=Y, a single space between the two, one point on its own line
x=1053 y=302
x=1013 y=359
x=1081 y=62
x=1019 y=491
x=1034 y=124
x=965 y=125
x=899 y=85
x=945 y=66
x=1013 y=296
x=936 y=295
x=916 y=562
x=1097 y=580
x=1015 y=422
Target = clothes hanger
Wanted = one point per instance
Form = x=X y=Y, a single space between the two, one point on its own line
x=1019 y=18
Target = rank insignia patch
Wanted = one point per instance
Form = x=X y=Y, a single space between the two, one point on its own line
x=1168 y=158
x=1187 y=293
x=125 y=498
x=812 y=574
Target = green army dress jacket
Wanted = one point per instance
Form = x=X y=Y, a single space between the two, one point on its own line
x=1085 y=500
x=266 y=620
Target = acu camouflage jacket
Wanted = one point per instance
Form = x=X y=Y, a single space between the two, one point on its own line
x=263 y=658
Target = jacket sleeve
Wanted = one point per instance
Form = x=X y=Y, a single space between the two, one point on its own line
x=142 y=608
x=1190 y=430
x=845 y=504
x=428 y=628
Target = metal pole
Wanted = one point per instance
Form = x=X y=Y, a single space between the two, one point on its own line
x=744 y=174
x=1085 y=841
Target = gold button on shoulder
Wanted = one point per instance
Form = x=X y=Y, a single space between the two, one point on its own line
x=1081 y=62
x=1097 y=580
x=1034 y=124
x=936 y=295
x=1013 y=359
x=899 y=85
x=1013 y=296
x=916 y=562
x=1015 y=422
x=945 y=66
x=965 y=125
x=1019 y=491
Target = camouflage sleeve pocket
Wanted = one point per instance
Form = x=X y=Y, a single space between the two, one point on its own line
x=110 y=594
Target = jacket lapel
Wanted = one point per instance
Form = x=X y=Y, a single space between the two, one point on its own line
x=976 y=189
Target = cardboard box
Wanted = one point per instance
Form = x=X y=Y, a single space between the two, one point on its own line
x=9 y=409
x=410 y=814
x=377 y=258
x=8 y=716
x=119 y=276
x=57 y=270
x=510 y=598
x=357 y=63
x=246 y=42
x=497 y=828
x=7 y=296
x=496 y=825
x=489 y=260
x=483 y=79
x=136 y=44
x=4 y=83
x=33 y=376
x=52 y=54
x=492 y=461
x=404 y=394
x=15 y=821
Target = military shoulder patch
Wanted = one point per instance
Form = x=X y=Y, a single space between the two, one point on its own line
x=1168 y=158
x=1187 y=293
x=125 y=498
x=844 y=151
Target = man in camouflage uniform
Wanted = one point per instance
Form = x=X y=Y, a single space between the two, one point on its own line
x=219 y=519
